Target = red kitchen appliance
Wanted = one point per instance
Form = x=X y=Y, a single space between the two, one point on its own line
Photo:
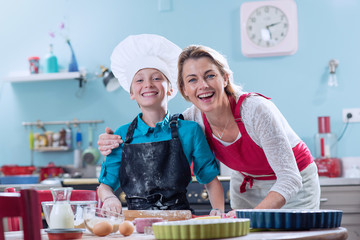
x=328 y=167
x=326 y=150
x=50 y=171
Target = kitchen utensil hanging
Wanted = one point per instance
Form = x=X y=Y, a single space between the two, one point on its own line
x=91 y=155
x=31 y=145
x=51 y=148
x=77 y=150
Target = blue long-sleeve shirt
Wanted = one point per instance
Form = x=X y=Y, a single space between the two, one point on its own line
x=195 y=147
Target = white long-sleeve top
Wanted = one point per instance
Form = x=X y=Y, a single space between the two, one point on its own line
x=269 y=129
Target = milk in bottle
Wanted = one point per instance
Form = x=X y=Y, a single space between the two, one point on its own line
x=61 y=215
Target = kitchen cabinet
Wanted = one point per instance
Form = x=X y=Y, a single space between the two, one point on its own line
x=46 y=77
x=347 y=199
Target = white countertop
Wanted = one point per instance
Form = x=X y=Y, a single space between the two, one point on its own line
x=26 y=186
x=324 y=181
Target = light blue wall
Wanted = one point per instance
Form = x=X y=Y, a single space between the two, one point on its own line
x=297 y=84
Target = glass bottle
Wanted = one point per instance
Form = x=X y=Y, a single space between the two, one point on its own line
x=73 y=65
x=61 y=216
x=325 y=141
x=51 y=61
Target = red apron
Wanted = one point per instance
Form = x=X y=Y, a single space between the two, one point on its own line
x=244 y=155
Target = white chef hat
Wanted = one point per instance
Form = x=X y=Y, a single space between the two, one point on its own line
x=145 y=51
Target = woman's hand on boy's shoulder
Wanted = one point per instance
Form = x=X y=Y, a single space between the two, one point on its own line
x=108 y=141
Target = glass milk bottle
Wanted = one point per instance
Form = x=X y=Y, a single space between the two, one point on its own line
x=61 y=215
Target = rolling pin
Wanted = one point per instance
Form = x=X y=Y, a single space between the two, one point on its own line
x=169 y=215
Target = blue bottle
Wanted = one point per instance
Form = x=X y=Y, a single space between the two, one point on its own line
x=51 y=62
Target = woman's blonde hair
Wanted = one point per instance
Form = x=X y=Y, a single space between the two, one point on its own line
x=198 y=51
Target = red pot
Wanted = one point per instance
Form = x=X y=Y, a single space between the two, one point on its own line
x=10 y=170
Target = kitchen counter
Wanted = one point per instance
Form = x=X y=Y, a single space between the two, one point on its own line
x=335 y=233
x=323 y=181
x=80 y=181
x=26 y=186
x=84 y=181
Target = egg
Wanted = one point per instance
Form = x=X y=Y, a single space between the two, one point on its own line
x=126 y=228
x=102 y=229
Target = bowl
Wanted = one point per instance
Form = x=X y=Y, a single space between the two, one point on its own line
x=64 y=233
x=76 y=206
x=93 y=216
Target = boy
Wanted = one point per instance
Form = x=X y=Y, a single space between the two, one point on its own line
x=153 y=164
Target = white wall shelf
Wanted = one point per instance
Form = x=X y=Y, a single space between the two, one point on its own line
x=52 y=149
x=45 y=77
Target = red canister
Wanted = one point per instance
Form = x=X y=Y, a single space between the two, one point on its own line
x=34 y=64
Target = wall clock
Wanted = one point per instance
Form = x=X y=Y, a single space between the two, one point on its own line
x=269 y=28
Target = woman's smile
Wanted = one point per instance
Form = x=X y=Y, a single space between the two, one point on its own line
x=206 y=96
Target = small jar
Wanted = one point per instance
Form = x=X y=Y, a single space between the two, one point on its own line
x=43 y=141
x=34 y=63
x=49 y=136
x=62 y=140
x=56 y=139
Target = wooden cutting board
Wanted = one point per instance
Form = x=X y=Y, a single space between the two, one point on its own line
x=170 y=215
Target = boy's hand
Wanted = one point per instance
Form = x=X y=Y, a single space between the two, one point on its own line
x=217 y=212
x=108 y=141
x=112 y=204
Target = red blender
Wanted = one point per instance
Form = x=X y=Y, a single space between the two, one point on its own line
x=326 y=150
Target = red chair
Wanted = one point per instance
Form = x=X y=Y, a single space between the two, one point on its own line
x=13 y=222
x=46 y=196
x=24 y=205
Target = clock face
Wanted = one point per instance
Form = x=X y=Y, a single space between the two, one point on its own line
x=267 y=26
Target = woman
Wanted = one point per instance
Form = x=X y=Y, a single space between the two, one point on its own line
x=272 y=167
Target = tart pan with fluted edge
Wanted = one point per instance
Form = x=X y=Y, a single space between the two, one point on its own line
x=291 y=219
x=201 y=229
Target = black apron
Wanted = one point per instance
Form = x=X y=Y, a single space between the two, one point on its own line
x=154 y=175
